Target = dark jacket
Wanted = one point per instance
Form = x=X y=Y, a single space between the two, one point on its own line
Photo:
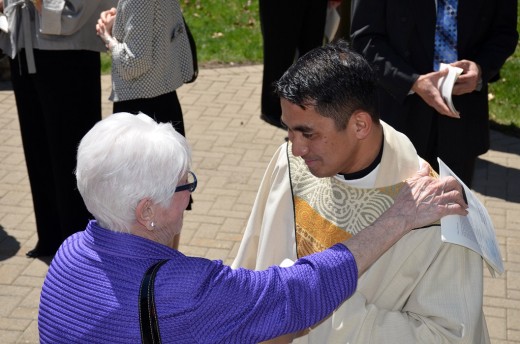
x=397 y=36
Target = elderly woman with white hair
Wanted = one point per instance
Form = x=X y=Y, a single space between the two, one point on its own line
x=134 y=176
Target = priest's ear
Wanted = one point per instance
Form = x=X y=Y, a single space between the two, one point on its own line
x=361 y=123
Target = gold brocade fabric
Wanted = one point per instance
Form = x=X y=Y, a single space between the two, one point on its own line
x=313 y=232
x=328 y=211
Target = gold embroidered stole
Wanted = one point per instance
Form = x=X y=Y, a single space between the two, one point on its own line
x=328 y=211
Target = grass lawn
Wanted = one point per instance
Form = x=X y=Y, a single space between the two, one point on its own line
x=504 y=95
x=227 y=33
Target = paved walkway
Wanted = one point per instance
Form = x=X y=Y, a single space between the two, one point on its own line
x=231 y=148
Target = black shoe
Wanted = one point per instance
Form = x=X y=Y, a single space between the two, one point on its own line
x=272 y=121
x=40 y=252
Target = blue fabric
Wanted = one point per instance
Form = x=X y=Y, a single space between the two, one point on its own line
x=90 y=293
x=445 y=33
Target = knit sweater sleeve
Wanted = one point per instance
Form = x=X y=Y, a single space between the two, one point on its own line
x=244 y=306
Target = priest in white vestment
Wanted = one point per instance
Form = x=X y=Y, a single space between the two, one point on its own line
x=340 y=172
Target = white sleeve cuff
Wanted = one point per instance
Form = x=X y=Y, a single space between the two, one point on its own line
x=50 y=20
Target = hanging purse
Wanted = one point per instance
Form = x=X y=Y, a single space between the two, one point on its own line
x=193 y=49
x=148 y=320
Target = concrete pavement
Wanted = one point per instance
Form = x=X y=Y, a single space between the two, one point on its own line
x=231 y=148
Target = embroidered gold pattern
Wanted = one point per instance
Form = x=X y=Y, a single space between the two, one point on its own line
x=328 y=211
x=313 y=232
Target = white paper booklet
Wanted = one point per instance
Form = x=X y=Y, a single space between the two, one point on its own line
x=474 y=231
x=445 y=84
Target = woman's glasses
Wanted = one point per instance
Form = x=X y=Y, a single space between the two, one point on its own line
x=191 y=185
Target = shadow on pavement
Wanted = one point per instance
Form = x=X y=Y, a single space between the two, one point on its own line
x=47 y=259
x=9 y=246
x=502 y=141
x=497 y=181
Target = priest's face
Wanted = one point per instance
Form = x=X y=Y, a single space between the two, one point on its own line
x=326 y=150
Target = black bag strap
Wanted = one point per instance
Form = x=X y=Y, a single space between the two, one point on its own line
x=193 y=48
x=147 y=311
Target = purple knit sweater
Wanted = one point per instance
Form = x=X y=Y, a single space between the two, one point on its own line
x=90 y=293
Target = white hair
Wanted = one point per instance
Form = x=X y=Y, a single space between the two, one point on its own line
x=125 y=158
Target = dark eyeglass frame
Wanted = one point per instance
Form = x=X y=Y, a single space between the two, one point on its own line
x=190 y=186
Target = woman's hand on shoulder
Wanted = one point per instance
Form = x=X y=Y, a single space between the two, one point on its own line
x=425 y=199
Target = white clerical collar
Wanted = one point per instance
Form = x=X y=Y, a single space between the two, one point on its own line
x=368 y=181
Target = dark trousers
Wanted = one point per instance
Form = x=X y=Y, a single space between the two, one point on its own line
x=164 y=108
x=56 y=108
x=290 y=28
x=463 y=167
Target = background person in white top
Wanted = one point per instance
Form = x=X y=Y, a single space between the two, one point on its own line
x=56 y=76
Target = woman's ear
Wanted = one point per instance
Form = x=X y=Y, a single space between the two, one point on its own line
x=144 y=212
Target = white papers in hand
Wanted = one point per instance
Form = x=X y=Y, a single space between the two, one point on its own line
x=4 y=26
x=445 y=84
x=474 y=231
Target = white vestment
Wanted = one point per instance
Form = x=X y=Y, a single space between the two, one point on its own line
x=420 y=291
